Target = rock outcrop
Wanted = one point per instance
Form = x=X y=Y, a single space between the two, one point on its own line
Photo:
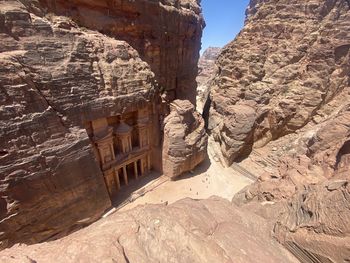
x=309 y=193
x=210 y=230
x=57 y=75
x=166 y=34
x=206 y=71
x=283 y=67
x=316 y=222
x=285 y=81
x=185 y=139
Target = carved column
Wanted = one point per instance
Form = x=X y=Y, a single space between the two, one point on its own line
x=125 y=174
x=109 y=180
x=148 y=162
x=142 y=166
x=116 y=178
x=142 y=127
x=135 y=170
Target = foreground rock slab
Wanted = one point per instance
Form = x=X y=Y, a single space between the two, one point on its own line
x=211 y=230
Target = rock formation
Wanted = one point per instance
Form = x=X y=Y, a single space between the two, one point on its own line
x=309 y=194
x=165 y=33
x=66 y=90
x=185 y=139
x=286 y=64
x=210 y=230
x=206 y=71
x=285 y=81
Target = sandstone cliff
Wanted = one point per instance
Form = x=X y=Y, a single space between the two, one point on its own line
x=283 y=88
x=210 y=230
x=165 y=33
x=56 y=76
x=290 y=60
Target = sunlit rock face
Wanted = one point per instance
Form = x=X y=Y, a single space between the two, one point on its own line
x=166 y=33
x=287 y=74
x=206 y=71
x=288 y=62
x=57 y=77
x=210 y=230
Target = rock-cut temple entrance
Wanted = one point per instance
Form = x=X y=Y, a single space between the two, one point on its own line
x=123 y=147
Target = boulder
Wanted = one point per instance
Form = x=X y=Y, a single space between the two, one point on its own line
x=185 y=140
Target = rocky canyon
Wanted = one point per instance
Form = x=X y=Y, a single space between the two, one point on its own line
x=100 y=97
x=68 y=77
x=281 y=96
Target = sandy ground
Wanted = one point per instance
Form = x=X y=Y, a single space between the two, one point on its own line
x=208 y=179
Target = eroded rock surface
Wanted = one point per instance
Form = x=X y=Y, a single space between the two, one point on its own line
x=55 y=77
x=309 y=193
x=291 y=58
x=282 y=88
x=210 y=230
x=166 y=33
x=185 y=139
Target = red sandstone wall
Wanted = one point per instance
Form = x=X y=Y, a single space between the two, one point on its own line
x=167 y=34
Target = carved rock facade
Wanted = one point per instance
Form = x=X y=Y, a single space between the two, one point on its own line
x=79 y=108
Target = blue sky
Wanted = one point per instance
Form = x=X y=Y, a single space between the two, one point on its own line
x=224 y=19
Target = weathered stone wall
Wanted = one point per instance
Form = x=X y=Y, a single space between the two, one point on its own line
x=288 y=73
x=166 y=34
x=291 y=58
x=64 y=64
x=54 y=78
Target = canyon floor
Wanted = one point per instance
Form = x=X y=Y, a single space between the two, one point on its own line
x=210 y=178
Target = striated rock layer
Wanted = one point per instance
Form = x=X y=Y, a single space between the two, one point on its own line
x=210 y=230
x=309 y=194
x=185 y=139
x=165 y=33
x=56 y=77
x=291 y=58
